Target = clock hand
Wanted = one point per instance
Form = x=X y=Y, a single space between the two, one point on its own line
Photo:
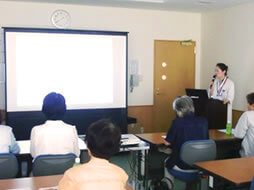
x=59 y=19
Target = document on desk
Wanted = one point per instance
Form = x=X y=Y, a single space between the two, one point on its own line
x=129 y=139
x=25 y=146
x=82 y=144
x=49 y=188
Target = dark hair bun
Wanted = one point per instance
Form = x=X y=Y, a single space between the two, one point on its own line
x=250 y=98
x=222 y=67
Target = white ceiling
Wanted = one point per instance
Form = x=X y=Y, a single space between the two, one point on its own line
x=177 y=5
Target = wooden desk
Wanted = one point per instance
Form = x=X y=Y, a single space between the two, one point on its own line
x=227 y=146
x=156 y=138
x=237 y=171
x=30 y=182
x=33 y=182
x=152 y=138
x=216 y=135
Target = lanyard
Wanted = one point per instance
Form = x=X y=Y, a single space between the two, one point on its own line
x=220 y=87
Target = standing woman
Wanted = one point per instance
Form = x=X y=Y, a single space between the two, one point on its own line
x=222 y=88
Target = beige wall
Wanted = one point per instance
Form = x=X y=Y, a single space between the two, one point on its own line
x=228 y=36
x=144 y=26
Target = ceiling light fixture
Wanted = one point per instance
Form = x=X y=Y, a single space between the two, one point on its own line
x=149 y=1
x=205 y=2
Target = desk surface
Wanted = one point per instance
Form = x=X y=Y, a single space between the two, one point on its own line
x=156 y=138
x=25 y=146
x=237 y=171
x=30 y=182
x=33 y=183
x=153 y=138
x=216 y=135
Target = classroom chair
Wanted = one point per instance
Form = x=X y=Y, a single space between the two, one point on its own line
x=252 y=184
x=192 y=152
x=8 y=166
x=45 y=165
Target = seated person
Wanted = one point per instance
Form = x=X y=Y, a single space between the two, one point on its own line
x=245 y=129
x=8 y=142
x=103 y=141
x=184 y=128
x=54 y=136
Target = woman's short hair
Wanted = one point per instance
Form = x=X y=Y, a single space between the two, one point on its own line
x=250 y=98
x=103 y=139
x=183 y=106
x=54 y=106
x=223 y=67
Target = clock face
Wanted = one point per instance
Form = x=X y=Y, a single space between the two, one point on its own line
x=61 y=19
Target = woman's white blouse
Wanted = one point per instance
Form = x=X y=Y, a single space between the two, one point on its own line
x=54 y=137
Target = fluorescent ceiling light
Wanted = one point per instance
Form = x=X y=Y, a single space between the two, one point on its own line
x=149 y=1
x=205 y=2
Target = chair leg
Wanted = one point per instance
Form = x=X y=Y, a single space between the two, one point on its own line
x=166 y=182
x=24 y=169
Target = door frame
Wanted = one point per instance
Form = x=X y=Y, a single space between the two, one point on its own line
x=154 y=71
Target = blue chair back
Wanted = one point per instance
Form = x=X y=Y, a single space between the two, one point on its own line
x=198 y=151
x=8 y=166
x=252 y=184
x=45 y=165
x=190 y=153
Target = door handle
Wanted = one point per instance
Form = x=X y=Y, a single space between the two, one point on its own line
x=157 y=91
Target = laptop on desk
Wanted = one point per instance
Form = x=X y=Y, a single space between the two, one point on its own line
x=126 y=139
x=196 y=93
x=129 y=140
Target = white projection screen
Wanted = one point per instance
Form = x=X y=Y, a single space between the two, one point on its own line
x=87 y=68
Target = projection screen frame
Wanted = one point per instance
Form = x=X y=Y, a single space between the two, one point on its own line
x=122 y=112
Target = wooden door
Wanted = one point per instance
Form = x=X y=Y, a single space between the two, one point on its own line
x=174 y=70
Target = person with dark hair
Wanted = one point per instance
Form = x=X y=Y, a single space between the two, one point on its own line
x=245 y=128
x=103 y=141
x=8 y=142
x=222 y=88
x=54 y=106
x=184 y=128
x=54 y=136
